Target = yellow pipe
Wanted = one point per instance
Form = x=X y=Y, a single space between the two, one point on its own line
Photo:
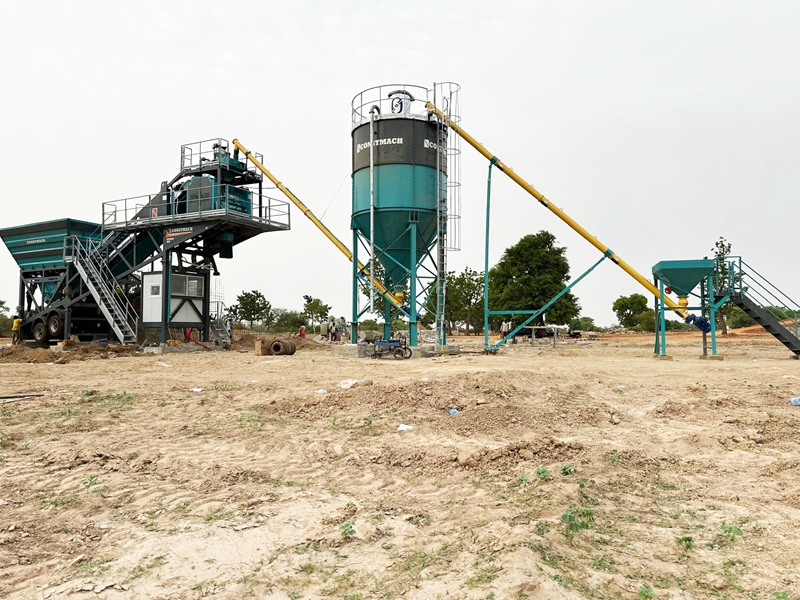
x=320 y=225
x=554 y=209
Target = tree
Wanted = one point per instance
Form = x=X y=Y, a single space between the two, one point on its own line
x=463 y=302
x=315 y=310
x=288 y=320
x=251 y=307
x=628 y=307
x=529 y=274
x=584 y=324
x=5 y=322
x=464 y=295
x=722 y=249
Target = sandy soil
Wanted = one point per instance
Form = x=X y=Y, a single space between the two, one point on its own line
x=589 y=471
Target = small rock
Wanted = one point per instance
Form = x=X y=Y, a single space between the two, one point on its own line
x=615 y=420
x=463 y=458
x=12 y=528
x=335 y=450
x=526 y=454
x=366 y=382
x=481 y=401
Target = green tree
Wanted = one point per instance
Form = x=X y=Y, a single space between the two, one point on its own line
x=464 y=299
x=628 y=307
x=584 y=324
x=529 y=274
x=315 y=310
x=369 y=325
x=646 y=320
x=288 y=320
x=251 y=307
x=721 y=250
x=5 y=322
x=738 y=318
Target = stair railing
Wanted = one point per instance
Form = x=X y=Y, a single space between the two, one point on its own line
x=90 y=257
x=735 y=276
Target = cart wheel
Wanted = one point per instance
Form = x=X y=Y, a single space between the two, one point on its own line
x=407 y=352
x=398 y=354
x=55 y=325
x=40 y=332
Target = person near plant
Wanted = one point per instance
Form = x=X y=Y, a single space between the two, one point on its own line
x=16 y=330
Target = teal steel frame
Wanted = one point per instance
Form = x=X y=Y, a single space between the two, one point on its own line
x=533 y=314
x=709 y=305
x=417 y=298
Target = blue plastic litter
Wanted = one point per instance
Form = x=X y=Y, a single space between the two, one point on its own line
x=454 y=411
x=794 y=401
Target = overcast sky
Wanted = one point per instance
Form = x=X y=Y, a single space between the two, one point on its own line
x=658 y=126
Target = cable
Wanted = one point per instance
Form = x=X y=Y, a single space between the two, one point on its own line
x=336 y=194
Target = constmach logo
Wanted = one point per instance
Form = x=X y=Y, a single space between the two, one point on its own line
x=380 y=142
x=36 y=241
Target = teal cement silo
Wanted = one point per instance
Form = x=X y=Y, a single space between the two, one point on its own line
x=400 y=198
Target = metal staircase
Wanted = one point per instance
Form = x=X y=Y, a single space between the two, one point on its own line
x=220 y=332
x=761 y=300
x=93 y=269
x=218 y=323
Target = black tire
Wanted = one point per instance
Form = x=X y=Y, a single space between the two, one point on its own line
x=399 y=354
x=407 y=352
x=55 y=325
x=291 y=347
x=40 y=332
x=278 y=347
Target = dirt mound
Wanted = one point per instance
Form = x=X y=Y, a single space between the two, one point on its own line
x=247 y=342
x=24 y=354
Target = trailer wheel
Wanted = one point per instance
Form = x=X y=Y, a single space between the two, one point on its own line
x=40 y=332
x=55 y=325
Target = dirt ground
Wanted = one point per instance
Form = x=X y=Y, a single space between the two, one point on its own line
x=588 y=471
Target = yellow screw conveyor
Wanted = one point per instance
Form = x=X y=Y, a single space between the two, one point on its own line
x=397 y=301
x=555 y=210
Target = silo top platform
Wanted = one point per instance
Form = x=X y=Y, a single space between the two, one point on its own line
x=41 y=245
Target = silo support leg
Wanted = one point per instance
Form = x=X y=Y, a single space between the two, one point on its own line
x=387 y=321
x=412 y=317
x=356 y=315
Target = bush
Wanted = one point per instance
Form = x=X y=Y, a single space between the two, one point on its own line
x=738 y=318
x=5 y=326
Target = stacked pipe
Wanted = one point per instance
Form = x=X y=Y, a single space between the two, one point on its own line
x=283 y=347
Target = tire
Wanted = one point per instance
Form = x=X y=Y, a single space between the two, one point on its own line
x=55 y=325
x=399 y=354
x=40 y=332
x=407 y=352
x=291 y=347
x=278 y=348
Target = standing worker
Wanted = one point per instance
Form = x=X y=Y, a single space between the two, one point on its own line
x=16 y=330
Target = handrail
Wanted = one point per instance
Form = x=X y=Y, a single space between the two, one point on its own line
x=222 y=199
x=735 y=276
x=555 y=210
x=74 y=249
x=312 y=217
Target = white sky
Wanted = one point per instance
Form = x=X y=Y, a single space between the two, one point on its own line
x=658 y=126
